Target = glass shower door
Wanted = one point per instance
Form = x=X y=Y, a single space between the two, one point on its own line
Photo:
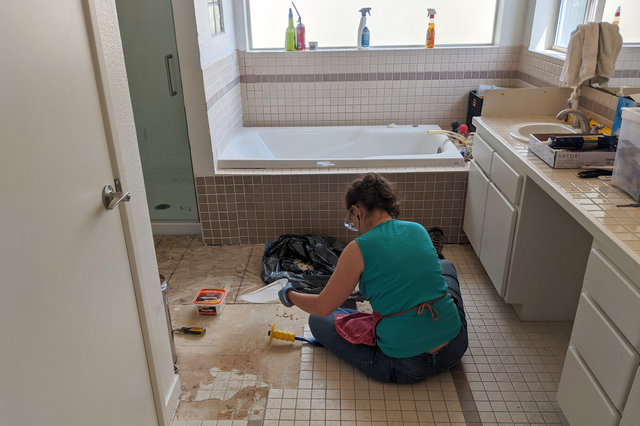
x=153 y=71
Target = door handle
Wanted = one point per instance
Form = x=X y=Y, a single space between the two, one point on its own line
x=112 y=197
x=168 y=69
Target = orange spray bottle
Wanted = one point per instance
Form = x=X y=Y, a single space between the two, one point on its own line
x=431 y=29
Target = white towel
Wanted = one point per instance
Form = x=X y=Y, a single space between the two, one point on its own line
x=609 y=45
x=582 y=55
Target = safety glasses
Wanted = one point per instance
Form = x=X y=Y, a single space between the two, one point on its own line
x=349 y=223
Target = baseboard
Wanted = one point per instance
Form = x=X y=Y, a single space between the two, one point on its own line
x=176 y=228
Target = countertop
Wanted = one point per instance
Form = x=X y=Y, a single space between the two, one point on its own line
x=591 y=202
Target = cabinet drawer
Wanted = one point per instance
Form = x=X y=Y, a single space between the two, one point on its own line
x=482 y=154
x=615 y=294
x=579 y=395
x=505 y=178
x=610 y=358
x=631 y=414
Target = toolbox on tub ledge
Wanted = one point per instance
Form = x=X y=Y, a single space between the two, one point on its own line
x=210 y=301
x=574 y=150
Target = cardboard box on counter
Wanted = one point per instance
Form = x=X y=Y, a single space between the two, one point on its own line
x=566 y=159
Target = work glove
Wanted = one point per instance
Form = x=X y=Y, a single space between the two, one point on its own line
x=282 y=294
x=357 y=296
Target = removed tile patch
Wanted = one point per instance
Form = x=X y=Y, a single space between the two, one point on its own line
x=231 y=395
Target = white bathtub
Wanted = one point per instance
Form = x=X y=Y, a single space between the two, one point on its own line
x=342 y=146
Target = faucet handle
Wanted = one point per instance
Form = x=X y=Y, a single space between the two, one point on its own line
x=594 y=129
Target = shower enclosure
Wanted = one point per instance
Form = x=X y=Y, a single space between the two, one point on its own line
x=153 y=71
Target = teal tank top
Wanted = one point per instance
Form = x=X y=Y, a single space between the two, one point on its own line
x=401 y=271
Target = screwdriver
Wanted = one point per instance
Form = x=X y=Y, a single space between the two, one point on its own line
x=190 y=330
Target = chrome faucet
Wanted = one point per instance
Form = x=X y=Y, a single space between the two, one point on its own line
x=579 y=119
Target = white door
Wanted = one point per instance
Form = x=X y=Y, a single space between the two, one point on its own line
x=72 y=349
x=497 y=236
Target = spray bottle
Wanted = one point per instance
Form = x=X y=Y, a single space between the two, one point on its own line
x=431 y=29
x=300 y=31
x=616 y=18
x=290 y=35
x=363 y=31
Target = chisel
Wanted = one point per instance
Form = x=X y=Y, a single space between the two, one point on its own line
x=190 y=330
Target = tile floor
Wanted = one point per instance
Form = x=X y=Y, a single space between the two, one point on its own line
x=233 y=376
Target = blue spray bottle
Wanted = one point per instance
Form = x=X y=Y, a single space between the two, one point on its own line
x=363 y=31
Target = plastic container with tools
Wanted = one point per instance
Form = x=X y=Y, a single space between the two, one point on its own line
x=210 y=301
x=626 y=170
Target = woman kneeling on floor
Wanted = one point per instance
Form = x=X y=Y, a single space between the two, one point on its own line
x=418 y=328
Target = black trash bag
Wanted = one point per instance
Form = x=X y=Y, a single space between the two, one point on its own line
x=307 y=261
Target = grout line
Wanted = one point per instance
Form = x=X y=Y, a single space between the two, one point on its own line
x=175 y=268
x=246 y=266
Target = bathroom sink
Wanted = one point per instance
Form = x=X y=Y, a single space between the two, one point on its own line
x=522 y=131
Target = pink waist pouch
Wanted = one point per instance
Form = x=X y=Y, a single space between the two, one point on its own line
x=358 y=328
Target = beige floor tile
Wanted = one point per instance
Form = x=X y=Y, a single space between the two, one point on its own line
x=208 y=267
x=169 y=252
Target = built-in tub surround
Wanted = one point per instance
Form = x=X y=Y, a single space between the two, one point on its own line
x=372 y=87
x=224 y=101
x=338 y=147
x=256 y=208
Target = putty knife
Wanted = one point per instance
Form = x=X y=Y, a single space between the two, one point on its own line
x=265 y=294
x=269 y=293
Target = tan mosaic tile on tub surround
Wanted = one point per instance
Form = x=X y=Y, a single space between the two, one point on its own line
x=251 y=209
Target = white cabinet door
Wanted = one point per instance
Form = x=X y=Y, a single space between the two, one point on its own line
x=497 y=235
x=475 y=206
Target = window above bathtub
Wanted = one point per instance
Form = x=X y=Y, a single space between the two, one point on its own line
x=554 y=20
x=572 y=13
x=334 y=23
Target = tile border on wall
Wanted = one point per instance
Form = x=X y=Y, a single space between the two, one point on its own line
x=220 y=93
x=376 y=76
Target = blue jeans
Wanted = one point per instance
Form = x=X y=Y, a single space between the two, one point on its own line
x=374 y=363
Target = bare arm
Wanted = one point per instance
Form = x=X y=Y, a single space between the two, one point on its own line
x=340 y=285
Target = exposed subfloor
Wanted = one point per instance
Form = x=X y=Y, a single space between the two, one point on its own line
x=233 y=376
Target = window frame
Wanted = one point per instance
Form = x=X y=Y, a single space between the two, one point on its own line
x=594 y=13
x=249 y=36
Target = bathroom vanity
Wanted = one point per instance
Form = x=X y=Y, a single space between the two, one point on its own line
x=558 y=247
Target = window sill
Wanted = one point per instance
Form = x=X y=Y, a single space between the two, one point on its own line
x=550 y=53
x=377 y=49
